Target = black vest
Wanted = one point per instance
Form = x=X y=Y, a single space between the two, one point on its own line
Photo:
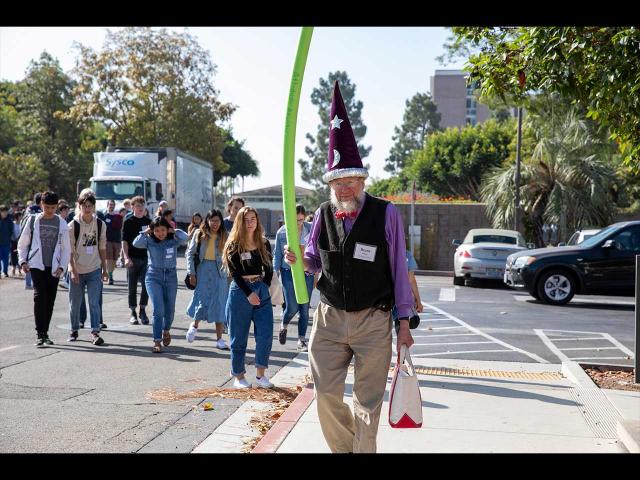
x=350 y=283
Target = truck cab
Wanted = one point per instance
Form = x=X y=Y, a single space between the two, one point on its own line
x=120 y=188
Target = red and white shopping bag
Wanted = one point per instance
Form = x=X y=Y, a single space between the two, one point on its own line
x=405 y=402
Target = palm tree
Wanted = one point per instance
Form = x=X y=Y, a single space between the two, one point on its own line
x=566 y=181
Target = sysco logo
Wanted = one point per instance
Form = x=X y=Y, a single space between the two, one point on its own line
x=119 y=163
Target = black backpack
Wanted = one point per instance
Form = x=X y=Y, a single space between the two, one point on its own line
x=76 y=230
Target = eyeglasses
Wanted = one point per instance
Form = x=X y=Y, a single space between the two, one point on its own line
x=341 y=185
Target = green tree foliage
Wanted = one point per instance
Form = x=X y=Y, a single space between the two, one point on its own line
x=399 y=183
x=420 y=119
x=22 y=176
x=9 y=129
x=153 y=88
x=596 y=67
x=567 y=180
x=452 y=162
x=240 y=161
x=317 y=151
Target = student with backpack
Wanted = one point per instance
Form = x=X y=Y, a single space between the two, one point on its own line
x=161 y=242
x=32 y=209
x=88 y=265
x=207 y=275
x=44 y=251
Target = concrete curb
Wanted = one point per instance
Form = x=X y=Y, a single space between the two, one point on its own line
x=629 y=434
x=574 y=372
x=231 y=435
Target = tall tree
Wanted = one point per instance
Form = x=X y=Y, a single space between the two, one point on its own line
x=452 y=162
x=22 y=176
x=567 y=180
x=318 y=150
x=596 y=67
x=420 y=119
x=152 y=88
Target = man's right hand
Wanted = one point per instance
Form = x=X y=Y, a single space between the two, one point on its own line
x=75 y=278
x=128 y=263
x=192 y=280
x=289 y=256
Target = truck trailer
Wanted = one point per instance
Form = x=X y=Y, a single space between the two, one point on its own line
x=185 y=182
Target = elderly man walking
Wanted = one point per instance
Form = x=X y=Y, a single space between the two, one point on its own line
x=358 y=243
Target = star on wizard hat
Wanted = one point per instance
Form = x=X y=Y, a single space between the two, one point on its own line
x=344 y=159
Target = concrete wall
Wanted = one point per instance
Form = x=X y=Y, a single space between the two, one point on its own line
x=439 y=225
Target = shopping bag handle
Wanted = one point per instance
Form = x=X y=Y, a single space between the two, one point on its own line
x=404 y=355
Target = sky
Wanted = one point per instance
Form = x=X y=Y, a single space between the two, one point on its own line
x=387 y=64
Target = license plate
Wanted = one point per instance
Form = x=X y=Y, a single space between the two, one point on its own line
x=495 y=272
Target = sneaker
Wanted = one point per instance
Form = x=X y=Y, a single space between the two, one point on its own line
x=222 y=345
x=40 y=342
x=63 y=283
x=73 y=336
x=103 y=326
x=263 y=382
x=97 y=339
x=191 y=333
x=82 y=325
x=282 y=336
x=134 y=318
x=143 y=317
x=241 y=383
x=47 y=340
x=302 y=345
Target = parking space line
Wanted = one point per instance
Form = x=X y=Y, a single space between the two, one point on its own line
x=600 y=358
x=537 y=358
x=590 y=348
x=618 y=344
x=551 y=346
x=452 y=343
x=549 y=342
x=447 y=295
x=453 y=353
x=445 y=328
x=578 y=338
x=450 y=335
x=6 y=349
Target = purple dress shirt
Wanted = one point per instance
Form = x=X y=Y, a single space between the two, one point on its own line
x=394 y=233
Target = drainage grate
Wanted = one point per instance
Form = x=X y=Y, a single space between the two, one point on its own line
x=467 y=372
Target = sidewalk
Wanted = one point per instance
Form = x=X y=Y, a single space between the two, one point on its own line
x=476 y=407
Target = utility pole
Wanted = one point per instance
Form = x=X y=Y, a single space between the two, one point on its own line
x=516 y=216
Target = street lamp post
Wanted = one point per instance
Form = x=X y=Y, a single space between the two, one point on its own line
x=516 y=216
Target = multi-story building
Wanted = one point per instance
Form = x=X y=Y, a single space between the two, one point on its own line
x=456 y=101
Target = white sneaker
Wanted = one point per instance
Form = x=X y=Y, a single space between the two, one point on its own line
x=302 y=345
x=241 y=383
x=191 y=333
x=222 y=345
x=263 y=382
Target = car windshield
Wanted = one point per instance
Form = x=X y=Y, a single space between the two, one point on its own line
x=117 y=189
x=601 y=235
x=495 y=239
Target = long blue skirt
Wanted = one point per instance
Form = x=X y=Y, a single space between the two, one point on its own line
x=210 y=296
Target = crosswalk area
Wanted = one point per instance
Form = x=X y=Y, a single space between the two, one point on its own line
x=441 y=334
x=580 y=346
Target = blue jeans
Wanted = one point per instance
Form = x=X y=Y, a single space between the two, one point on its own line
x=93 y=283
x=162 y=286
x=5 y=250
x=292 y=306
x=239 y=313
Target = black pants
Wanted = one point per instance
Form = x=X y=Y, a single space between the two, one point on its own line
x=45 y=287
x=136 y=274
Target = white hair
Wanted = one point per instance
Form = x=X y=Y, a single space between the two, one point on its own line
x=348 y=206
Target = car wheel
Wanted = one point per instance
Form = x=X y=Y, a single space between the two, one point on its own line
x=556 y=287
x=458 y=280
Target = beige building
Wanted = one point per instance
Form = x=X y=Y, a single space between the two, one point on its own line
x=455 y=99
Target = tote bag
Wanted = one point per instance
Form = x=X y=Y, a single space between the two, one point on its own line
x=405 y=402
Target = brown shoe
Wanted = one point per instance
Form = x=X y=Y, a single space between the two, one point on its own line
x=166 y=338
x=157 y=348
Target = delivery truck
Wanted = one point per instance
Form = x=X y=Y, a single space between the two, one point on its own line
x=165 y=173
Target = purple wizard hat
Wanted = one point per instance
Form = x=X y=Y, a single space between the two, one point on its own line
x=344 y=159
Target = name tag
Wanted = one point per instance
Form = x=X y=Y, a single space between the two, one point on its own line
x=108 y=220
x=89 y=250
x=169 y=253
x=365 y=252
x=245 y=256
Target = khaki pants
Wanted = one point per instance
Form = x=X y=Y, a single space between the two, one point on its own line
x=337 y=337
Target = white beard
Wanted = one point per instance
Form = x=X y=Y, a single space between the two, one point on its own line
x=349 y=206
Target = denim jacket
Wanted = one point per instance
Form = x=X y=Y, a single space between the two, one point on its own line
x=281 y=241
x=191 y=253
x=162 y=255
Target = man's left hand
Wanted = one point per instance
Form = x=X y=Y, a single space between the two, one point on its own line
x=404 y=335
x=58 y=272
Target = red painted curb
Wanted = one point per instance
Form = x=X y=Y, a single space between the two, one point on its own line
x=276 y=434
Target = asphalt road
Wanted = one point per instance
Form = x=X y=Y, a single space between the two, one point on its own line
x=75 y=397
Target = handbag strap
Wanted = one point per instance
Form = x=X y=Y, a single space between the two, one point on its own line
x=403 y=356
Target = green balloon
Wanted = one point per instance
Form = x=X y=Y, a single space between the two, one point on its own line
x=288 y=165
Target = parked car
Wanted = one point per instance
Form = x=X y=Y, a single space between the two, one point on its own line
x=580 y=236
x=483 y=253
x=604 y=263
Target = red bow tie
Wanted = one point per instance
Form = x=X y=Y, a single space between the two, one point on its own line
x=340 y=215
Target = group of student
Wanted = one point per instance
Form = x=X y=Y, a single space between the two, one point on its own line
x=230 y=267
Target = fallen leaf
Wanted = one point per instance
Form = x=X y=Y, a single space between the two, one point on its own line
x=207 y=406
